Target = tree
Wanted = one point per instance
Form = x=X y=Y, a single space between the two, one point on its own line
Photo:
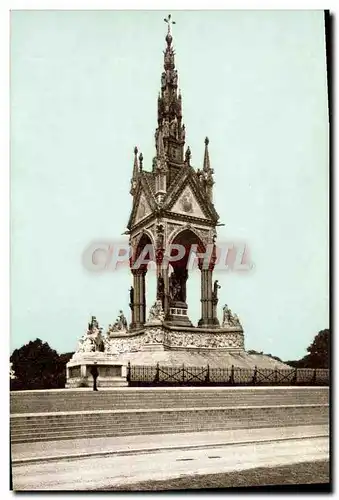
x=11 y=372
x=64 y=358
x=37 y=366
x=319 y=350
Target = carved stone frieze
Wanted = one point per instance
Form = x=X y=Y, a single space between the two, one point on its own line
x=153 y=335
x=115 y=343
x=204 y=340
x=120 y=345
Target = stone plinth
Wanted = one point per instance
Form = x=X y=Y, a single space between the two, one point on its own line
x=112 y=373
x=159 y=341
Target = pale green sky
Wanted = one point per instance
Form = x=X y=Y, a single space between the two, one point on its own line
x=84 y=91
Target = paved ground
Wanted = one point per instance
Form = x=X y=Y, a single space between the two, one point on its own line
x=126 y=460
x=95 y=473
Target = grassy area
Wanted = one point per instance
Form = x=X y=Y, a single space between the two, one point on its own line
x=304 y=473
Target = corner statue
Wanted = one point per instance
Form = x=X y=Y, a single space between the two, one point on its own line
x=92 y=340
x=156 y=312
x=229 y=319
x=120 y=324
x=131 y=297
x=215 y=291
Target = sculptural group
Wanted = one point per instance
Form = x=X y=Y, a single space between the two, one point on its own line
x=229 y=319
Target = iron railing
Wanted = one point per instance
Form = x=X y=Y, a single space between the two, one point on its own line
x=230 y=376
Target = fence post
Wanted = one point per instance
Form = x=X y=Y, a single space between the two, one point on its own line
x=128 y=374
x=183 y=373
x=232 y=375
x=276 y=376
x=314 y=378
x=295 y=376
x=255 y=374
x=207 y=379
x=156 y=379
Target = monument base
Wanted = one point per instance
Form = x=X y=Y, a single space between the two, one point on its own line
x=112 y=373
x=161 y=342
x=164 y=343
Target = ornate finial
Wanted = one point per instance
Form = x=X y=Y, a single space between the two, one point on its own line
x=135 y=172
x=207 y=166
x=140 y=161
x=169 y=22
x=188 y=155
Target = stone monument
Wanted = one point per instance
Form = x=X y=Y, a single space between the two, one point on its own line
x=172 y=204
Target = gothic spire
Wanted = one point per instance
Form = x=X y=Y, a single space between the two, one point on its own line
x=207 y=172
x=170 y=104
x=206 y=166
x=135 y=172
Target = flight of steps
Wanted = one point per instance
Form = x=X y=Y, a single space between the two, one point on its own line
x=54 y=415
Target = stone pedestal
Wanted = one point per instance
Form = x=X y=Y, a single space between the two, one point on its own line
x=112 y=373
x=178 y=314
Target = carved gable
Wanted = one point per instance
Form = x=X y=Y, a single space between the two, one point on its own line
x=187 y=204
x=143 y=209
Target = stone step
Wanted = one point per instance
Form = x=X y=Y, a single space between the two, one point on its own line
x=25 y=419
x=92 y=425
x=117 y=424
x=100 y=396
x=163 y=430
x=38 y=402
x=181 y=420
x=129 y=413
x=107 y=427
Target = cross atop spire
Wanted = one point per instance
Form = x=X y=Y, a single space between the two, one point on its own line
x=169 y=22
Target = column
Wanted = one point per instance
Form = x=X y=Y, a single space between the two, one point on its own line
x=214 y=299
x=143 y=297
x=209 y=296
x=204 y=296
x=139 y=304
x=208 y=310
x=162 y=270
